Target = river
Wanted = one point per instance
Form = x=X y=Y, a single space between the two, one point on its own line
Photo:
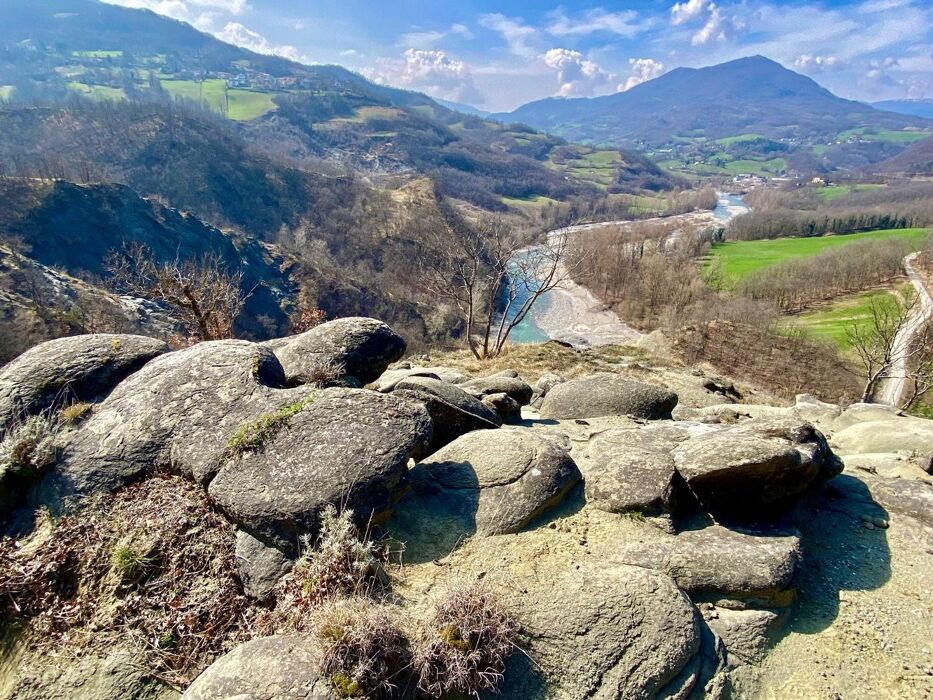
x=572 y=314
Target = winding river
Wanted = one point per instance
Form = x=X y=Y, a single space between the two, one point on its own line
x=573 y=315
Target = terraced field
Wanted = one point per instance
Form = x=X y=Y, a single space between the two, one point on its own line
x=240 y=105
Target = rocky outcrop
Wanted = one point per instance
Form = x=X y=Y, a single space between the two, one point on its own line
x=890 y=435
x=453 y=411
x=604 y=631
x=66 y=370
x=741 y=568
x=606 y=394
x=500 y=384
x=507 y=408
x=341 y=447
x=910 y=497
x=483 y=483
x=259 y=565
x=281 y=667
x=755 y=464
x=362 y=347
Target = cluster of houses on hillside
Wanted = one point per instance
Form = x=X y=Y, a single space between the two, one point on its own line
x=255 y=80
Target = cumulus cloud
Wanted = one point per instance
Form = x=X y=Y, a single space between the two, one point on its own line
x=716 y=25
x=684 y=12
x=813 y=63
x=643 y=69
x=578 y=76
x=430 y=71
x=427 y=38
x=625 y=23
x=185 y=10
x=517 y=35
x=878 y=70
x=236 y=33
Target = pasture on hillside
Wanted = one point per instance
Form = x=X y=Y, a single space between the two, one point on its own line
x=739 y=259
x=240 y=105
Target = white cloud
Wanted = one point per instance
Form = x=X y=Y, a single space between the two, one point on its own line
x=430 y=71
x=684 y=12
x=577 y=76
x=716 y=27
x=516 y=34
x=813 y=63
x=236 y=33
x=184 y=9
x=625 y=23
x=428 y=38
x=643 y=69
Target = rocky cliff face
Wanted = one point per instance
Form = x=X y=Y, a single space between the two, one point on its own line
x=643 y=542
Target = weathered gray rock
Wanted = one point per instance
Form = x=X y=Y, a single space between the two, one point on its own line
x=623 y=478
x=728 y=566
x=483 y=483
x=79 y=368
x=606 y=632
x=344 y=447
x=864 y=413
x=259 y=565
x=451 y=375
x=507 y=408
x=391 y=377
x=546 y=382
x=453 y=411
x=364 y=347
x=281 y=667
x=747 y=634
x=891 y=435
x=908 y=497
x=606 y=394
x=755 y=464
x=177 y=413
x=515 y=387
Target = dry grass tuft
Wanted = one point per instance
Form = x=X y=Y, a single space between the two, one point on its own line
x=364 y=652
x=465 y=646
x=76 y=413
x=30 y=446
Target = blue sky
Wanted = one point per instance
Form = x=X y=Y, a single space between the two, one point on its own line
x=498 y=55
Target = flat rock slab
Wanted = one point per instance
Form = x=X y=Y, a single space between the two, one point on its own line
x=176 y=413
x=281 y=667
x=79 y=368
x=344 y=447
x=623 y=478
x=747 y=634
x=892 y=435
x=603 y=631
x=739 y=567
x=910 y=497
x=364 y=347
x=755 y=464
x=483 y=483
x=606 y=394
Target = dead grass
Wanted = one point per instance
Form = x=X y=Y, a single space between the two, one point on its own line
x=151 y=569
x=75 y=413
x=533 y=360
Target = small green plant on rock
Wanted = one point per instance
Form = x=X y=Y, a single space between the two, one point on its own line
x=252 y=435
x=129 y=563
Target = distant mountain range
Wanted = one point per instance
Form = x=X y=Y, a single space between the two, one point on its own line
x=748 y=95
x=916 y=108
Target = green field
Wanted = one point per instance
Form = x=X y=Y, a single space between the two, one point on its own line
x=535 y=202
x=831 y=321
x=98 y=92
x=741 y=138
x=871 y=134
x=834 y=191
x=742 y=258
x=241 y=105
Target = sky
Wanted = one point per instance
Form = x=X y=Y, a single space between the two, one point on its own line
x=499 y=55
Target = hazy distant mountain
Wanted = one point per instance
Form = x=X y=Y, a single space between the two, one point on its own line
x=463 y=108
x=917 y=108
x=748 y=95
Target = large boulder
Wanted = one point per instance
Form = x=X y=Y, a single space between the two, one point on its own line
x=343 y=447
x=453 y=411
x=606 y=394
x=391 y=378
x=889 y=435
x=604 y=631
x=483 y=483
x=733 y=566
x=910 y=497
x=515 y=387
x=623 y=478
x=259 y=565
x=363 y=347
x=756 y=464
x=79 y=368
x=281 y=667
x=177 y=413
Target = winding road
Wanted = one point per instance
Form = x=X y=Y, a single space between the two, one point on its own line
x=896 y=381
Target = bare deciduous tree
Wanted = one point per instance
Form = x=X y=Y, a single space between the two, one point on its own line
x=491 y=277
x=882 y=347
x=203 y=294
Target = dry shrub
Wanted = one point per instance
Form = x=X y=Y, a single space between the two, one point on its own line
x=30 y=446
x=76 y=413
x=364 y=652
x=465 y=645
x=151 y=568
x=341 y=564
x=323 y=372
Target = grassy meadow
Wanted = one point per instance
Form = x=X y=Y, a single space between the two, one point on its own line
x=242 y=105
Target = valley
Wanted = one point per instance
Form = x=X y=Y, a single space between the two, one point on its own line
x=431 y=353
